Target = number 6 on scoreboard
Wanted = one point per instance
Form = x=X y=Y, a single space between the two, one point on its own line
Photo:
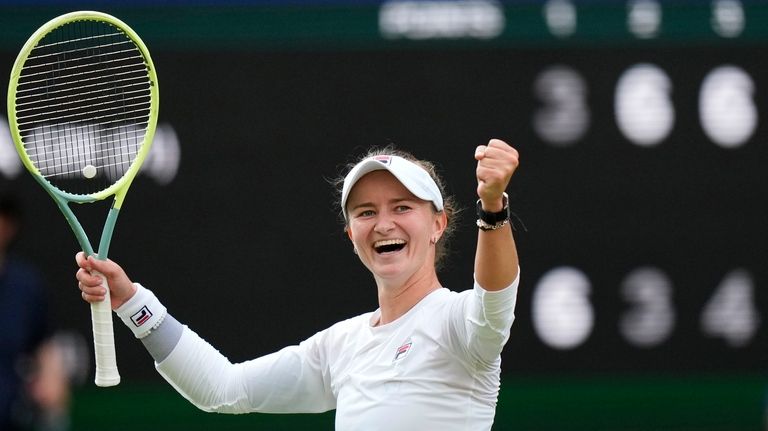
x=82 y=107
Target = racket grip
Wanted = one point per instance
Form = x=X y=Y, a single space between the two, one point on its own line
x=104 y=340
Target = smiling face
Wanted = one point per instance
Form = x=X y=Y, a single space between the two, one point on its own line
x=392 y=229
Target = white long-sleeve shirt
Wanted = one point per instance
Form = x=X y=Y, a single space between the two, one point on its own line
x=435 y=368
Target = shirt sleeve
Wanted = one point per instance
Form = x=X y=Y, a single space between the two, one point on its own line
x=291 y=380
x=482 y=320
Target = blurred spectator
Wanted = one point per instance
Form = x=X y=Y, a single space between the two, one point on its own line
x=34 y=387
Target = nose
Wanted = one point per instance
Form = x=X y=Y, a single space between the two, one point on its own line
x=384 y=224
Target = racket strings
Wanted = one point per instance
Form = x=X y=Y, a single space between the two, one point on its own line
x=95 y=158
x=100 y=155
x=86 y=90
x=85 y=65
x=83 y=100
x=50 y=43
x=89 y=82
x=87 y=51
x=75 y=114
x=77 y=172
x=107 y=126
x=54 y=155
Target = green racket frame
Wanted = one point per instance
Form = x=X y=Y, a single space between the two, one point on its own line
x=106 y=364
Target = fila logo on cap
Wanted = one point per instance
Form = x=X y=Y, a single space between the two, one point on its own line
x=385 y=160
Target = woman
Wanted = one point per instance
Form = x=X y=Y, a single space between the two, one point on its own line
x=427 y=359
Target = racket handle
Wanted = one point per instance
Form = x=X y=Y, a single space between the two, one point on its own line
x=104 y=340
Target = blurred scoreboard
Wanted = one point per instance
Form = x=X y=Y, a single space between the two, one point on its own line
x=642 y=190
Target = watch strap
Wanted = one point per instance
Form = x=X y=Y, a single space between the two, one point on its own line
x=493 y=218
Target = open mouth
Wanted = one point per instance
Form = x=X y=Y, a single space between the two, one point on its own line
x=389 y=246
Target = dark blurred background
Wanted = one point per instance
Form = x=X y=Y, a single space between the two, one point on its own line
x=642 y=190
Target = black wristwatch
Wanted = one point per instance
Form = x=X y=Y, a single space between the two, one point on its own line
x=492 y=221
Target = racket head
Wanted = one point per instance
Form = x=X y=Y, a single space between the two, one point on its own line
x=83 y=102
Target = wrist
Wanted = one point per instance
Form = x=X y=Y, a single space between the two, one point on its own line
x=494 y=216
x=493 y=205
x=143 y=312
x=119 y=302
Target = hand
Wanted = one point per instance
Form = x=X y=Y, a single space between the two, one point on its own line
x=496 y=162
x=120 y=286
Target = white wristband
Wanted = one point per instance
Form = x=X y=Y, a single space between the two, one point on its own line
x=143 y=312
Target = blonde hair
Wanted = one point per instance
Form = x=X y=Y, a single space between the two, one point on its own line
x=450 y=207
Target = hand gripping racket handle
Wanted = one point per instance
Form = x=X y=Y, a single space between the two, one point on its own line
x=104 y=339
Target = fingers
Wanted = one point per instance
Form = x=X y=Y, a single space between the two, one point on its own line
x=95 y=275
x=92 y=293
x=495 y=148
x=499 y=151
x=87 y=278
x=81 y=259
x=90 y=285
x=480 y=152
x=87 y=266
x=91 y=263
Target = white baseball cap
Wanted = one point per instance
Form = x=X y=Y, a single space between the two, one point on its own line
x=415 y=178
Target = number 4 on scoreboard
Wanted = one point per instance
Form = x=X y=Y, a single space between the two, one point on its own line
x=731 y=313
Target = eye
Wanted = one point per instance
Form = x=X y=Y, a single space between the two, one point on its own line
x=402 y=208
x=365 y=213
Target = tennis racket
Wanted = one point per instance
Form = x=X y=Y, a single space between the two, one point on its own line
x=82 y=107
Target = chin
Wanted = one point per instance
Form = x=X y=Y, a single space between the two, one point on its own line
x=388 y=272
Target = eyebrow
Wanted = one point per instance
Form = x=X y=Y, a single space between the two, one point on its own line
x=390 y=202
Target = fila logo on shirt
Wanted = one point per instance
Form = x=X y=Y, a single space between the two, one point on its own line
x=402 y=351
x=141 y=316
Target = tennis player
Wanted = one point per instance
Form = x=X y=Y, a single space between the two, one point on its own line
x=427 y=359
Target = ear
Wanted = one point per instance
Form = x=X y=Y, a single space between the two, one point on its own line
x=348 y=231
x=441 y=222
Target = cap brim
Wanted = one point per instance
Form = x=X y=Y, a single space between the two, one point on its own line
x=410 y=175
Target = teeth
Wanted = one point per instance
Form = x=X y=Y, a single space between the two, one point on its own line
x=388 y=242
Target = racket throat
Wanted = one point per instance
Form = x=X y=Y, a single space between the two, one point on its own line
x=106 y=234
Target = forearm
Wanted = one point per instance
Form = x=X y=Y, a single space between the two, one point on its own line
x=495 y=309
x=161 y=342
x=286 y=381
x=496 y=261
x=281 y=382
x=486 y=319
